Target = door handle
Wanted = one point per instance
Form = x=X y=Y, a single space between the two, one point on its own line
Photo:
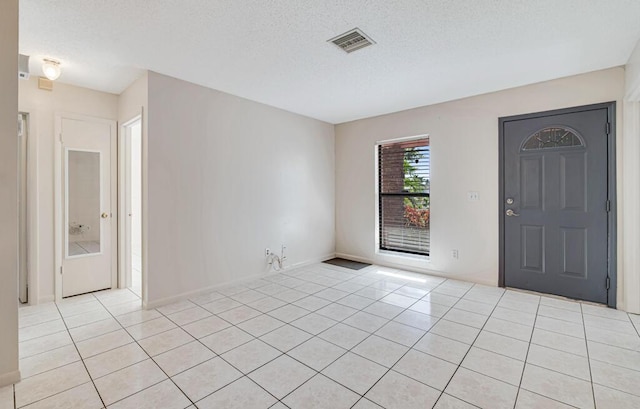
x=104 y=215
x=511 y=213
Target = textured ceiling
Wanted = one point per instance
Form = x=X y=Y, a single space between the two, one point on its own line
x=275 y=52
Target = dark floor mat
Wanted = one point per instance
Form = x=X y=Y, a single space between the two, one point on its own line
x=353 y=265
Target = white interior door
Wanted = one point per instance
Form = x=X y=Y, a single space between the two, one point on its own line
x=87 y=206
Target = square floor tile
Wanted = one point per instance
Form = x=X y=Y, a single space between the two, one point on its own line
x=266 y=304
x=555 y=325
x=500 y=344
x=94 y=329
x=290 y=295
x=481 y=390
x=242 y=394
x=206 y=326
x=251 y=355
x=39 y=330
x=560 y=361
x=530 y=400
x=221 y=305
x=441 y=347
x=288 y=313
x=125 y=382
x=566 y=343
x=614 y=355
x=400 y=333
x=519 y=317
x=103 y=343
x=384 y=310
x=430 y=308
x=372 y=293
x=475 y=307
x=114 y=360
x=617 y=377
x=366 y=322
x=509 y=329
x=165 y=395
x=165 y=341
x=427 y=369
x=337 y=312
x=206 y=378
x=316 y=353
x=356 y=373
x=614 y=399
x=184 y=357
x=260 y=325
x=313 y=323
x=395 y=390
x=227 y=339
x=137 y=317
x=343 y=335
x=239 y=314
x=497 y=366
x=436 y=297
x=312 y=303
x=398 y=300
x=56 y=358
x=286 y=337
x=416 y=319
x=84 y=396
x=380 y=350
x=366 y=404
x=150 y=328
x=449 y=402
x=412 y=292
x=190 y=315
x=176 y=307
x=355 y=301
x=321 y=392
x=554 y=385
x=465 y=317
x=50 y=383
x=282 y=375
x=44 y=344
x=248 y=296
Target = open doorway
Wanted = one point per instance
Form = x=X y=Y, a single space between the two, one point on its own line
x=132 y=201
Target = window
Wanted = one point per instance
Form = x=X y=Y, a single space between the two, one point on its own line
x=553 y=137
x=403 y=202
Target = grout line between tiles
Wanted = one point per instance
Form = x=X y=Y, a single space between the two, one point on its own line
x=524 y=366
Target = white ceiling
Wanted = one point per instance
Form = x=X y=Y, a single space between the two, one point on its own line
x=275 y=52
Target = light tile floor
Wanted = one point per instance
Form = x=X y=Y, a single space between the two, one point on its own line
x=327 y=337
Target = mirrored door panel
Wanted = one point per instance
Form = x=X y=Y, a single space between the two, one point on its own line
x=82 y=169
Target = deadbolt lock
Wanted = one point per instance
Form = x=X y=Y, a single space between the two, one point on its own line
x=509 y=200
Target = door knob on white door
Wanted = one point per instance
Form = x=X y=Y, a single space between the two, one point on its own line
x=104 y=215
x=511 y=213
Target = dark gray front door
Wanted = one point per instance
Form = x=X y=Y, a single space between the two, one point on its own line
x=555 y=192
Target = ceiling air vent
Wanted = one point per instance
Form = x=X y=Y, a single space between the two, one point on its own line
x=352 y=40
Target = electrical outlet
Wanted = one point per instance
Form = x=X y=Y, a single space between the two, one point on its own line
x=473 y=196
x=454 y=254
x=267 y=252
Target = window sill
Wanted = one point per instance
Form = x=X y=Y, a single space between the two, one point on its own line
x=405 y=256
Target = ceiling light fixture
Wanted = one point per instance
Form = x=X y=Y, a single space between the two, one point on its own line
x=51 y=69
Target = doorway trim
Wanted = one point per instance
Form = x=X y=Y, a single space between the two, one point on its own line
x=611 y=190
x=58 y=197
x=124 y=278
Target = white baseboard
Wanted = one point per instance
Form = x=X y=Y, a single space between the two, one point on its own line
x=195 y=293
x=9 y=378
x=414 y=269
